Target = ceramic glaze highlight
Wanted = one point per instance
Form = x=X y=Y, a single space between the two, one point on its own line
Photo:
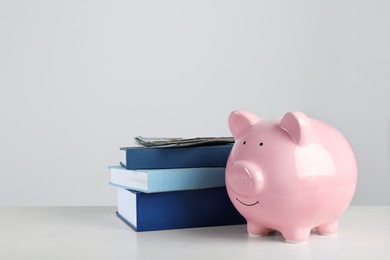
x=290 y=174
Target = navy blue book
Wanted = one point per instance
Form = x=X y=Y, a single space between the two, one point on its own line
x=177 y=209
x=136 y=158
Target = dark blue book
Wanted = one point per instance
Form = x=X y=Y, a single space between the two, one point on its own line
x=135 y=158
x=177 y=209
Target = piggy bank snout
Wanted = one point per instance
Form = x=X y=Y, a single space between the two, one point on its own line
x=244 y=178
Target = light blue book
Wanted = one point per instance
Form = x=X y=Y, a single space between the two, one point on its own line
x=162 y=180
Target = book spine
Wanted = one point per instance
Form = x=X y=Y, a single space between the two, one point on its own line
x=182 y=157
x=186 y=179
x=183 y=209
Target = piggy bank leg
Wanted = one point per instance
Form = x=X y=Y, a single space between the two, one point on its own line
x=257 y=230
x=296 y=235
x=328 y=228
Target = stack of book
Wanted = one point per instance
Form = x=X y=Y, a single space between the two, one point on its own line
x=174 y=183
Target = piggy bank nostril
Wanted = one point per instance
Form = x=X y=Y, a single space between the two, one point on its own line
x=243 y=179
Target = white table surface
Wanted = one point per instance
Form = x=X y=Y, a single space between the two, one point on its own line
x=96 y=233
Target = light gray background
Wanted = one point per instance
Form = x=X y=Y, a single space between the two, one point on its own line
x=79 y=79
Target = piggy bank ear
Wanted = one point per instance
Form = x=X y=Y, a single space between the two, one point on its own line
x=240 y=122
x=297 y=124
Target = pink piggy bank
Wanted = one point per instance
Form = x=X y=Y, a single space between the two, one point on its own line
x=290 y=174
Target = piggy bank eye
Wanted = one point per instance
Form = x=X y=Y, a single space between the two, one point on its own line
x=244 y=143
x=261 y=144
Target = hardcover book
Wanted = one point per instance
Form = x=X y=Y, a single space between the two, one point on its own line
x=135 y=158
x=162 y=180
x=177 y=209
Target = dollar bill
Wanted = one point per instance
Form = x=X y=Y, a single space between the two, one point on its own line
x=180 y=142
